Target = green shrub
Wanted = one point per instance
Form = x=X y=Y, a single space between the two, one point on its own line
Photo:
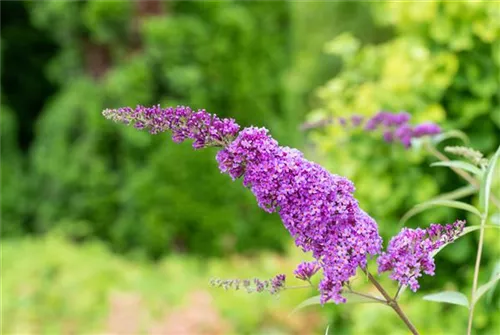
x=134 y=190
x=14 y=183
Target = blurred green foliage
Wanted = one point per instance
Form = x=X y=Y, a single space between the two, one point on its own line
x=12 y=174
x=134 y=190
x=139 y=192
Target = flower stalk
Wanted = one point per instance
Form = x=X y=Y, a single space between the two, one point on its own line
x=476 y=273
x=392 y=303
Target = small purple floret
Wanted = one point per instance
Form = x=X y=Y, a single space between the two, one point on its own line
x=356 y=120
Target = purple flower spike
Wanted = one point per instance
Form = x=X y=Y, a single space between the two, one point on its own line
x=205 y=129
x=393 y=126
x=387 y=119
x=396 y=126
x=317 y=208
x=411 y=252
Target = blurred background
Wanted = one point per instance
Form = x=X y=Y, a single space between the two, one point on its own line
x=109 y=230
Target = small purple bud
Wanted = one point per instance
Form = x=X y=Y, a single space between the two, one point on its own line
x=356 y=120
x=306 y=270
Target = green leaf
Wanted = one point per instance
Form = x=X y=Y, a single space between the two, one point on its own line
x=485 y=190
x=308 y=302
x=464 y=232
x=460 y=165
x=449 y=297
x=472 y=228
x=351 y=299
x=438 y=202
x=451 y=134
x=484 y=288
x=327 y=328
x=495 y=272
x=457 y=194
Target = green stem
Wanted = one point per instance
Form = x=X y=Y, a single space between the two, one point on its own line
x=368 y=296
x=392 y=303
x=476 y=272
x=397 y=293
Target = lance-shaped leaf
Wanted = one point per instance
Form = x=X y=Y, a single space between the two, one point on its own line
x=308 y=302
x=438 y=202
x=450 y=134
x=485 y=191
x=351 y=298
x=449 y=297
x=496 y=271
x=464 y=232
x=484 y=288
x=461 y=192
x=460 y=165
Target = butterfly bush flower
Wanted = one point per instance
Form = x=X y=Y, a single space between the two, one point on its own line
x=387 y=119
x=317 y=208
x=394 y=126
x=411 y=252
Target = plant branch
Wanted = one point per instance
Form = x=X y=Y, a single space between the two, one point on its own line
x=465 y=175
x=391 y=302
x=368 y=296
x=397 y=293
x=476 y=272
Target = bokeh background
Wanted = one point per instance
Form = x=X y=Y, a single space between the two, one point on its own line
x=109 y=230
